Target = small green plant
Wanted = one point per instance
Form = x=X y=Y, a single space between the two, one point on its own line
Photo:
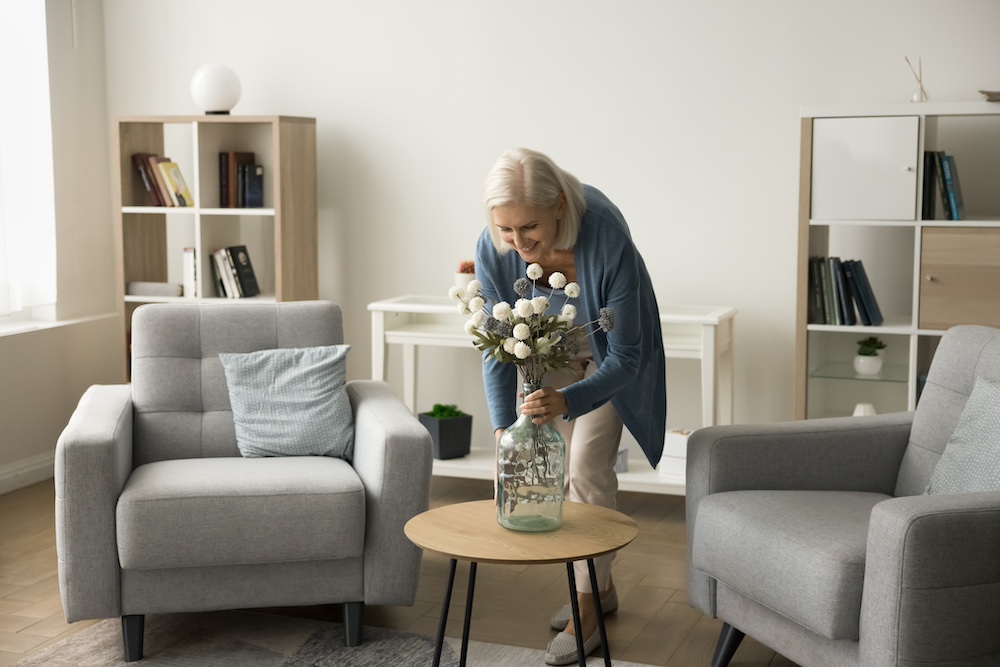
x=441 y=411
x=869 y=347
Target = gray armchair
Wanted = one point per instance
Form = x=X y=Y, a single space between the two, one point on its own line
x=157 y=511
x=816 y=538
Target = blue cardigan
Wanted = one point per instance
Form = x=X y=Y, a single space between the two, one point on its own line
x=631 y=370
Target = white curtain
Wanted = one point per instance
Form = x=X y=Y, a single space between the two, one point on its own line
x=27 y=196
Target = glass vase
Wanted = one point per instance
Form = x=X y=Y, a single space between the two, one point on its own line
x=531 y=463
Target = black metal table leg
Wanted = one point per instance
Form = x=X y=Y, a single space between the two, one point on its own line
x=444 y=613
x=468 y=614
x=600 y=612
x=581 y=658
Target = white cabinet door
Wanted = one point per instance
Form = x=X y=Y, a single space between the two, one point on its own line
x=865 y=168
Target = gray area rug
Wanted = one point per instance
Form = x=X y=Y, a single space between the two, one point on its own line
x=255 y=639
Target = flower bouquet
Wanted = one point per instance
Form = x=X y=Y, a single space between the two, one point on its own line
x=530 y=457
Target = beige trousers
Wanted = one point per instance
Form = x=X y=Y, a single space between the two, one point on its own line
x=592 y=442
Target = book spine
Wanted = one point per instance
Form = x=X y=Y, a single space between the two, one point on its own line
x=868 y=294
x=851 y=280
x=152 y=193
x=846 y=308
x=824 y=277
x=190 y=273
x=951 y=183
x=161 y=182
x=234 y=276
x=927 y=207
x=223 y=180
x=836 y=316
x=815 y=304
x=244 y=270
x=942 y=188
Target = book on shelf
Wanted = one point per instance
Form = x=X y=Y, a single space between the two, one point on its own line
x=846 y=307
x=190 y=273
x=162 y=180
x=234 y=274
x=814 y=307
x=229 y=169
x=839 y=293
x=141 y=163
x=851 y=282
x=253 y=185
x=836 y=313
x=942 y=187
x=953 y=187
x=867 y=294
x=179 y=192
x=927 y=207
x=245 y=276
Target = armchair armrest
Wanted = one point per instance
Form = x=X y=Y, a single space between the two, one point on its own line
x=843 y=453
x=92 y=463
x=932 y=581
x=392 y=455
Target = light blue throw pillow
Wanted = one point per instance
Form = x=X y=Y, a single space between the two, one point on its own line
x=971 y=459
x=291 y=402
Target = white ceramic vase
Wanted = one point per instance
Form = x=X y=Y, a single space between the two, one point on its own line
x=867 y=364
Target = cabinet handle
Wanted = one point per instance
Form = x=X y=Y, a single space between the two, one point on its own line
x=931 y=279
x=907 y=168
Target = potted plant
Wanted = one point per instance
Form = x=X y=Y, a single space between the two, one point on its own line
x=450 y=429
x=466 y=274
x=868 y=361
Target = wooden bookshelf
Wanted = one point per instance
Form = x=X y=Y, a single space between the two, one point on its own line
x=281 y=236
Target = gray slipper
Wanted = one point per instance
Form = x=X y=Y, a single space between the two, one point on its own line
x=560 y=619
x=562 y=649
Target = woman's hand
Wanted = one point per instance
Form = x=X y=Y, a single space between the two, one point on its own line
x=545 y=404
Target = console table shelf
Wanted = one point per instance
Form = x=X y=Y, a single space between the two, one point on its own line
x=703 y=333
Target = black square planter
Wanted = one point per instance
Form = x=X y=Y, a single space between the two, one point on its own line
x=451 y=436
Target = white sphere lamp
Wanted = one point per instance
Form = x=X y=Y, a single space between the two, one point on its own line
x=215 y=88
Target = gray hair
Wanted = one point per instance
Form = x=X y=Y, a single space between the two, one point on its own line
x=523 y=176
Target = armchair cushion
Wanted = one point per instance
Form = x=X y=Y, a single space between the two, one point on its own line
x=237 y=511
x=798 y=553
x=291 y=401
x=971 y=458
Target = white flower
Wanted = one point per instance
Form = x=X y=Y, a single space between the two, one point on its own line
x=522 y=350
x=476 y=303
x=463 y=308
x=508 y=345
x=539 y=304
x=557 y=280
x=522 y=331
x=568 y=313
x=572 y=290
x=455 y=292
x=470 y=327
x=502 y=311
x=524 y=308
x=478 y=319
x=534 y=271
x=474 y=287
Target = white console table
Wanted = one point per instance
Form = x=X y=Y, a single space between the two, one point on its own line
x=704 y=333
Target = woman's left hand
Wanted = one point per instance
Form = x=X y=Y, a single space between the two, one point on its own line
x=545 y=404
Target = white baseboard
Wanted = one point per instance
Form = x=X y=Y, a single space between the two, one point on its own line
x=26 y=472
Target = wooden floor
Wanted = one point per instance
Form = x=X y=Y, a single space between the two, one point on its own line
x=654 y=624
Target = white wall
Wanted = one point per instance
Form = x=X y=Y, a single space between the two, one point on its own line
x=685 y=113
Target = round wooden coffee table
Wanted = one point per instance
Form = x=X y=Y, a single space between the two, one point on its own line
x=470 y=532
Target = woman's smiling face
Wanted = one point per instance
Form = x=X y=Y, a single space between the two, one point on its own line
x=530 y=230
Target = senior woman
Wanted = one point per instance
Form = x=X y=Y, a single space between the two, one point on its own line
x=546 y=216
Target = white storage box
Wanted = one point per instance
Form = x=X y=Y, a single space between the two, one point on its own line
x=674 y=459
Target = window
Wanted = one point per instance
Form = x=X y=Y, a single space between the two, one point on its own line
x=27 y=194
